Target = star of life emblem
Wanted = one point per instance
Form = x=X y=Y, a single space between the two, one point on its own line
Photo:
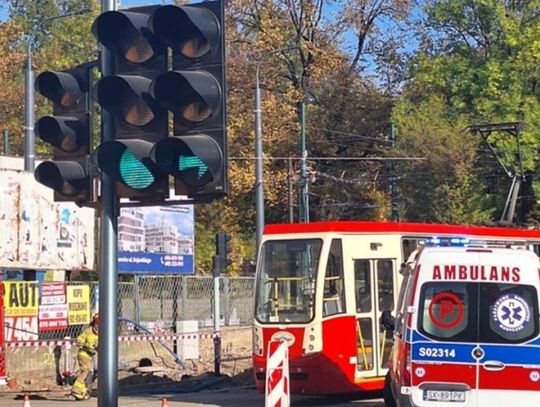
x=511 y=313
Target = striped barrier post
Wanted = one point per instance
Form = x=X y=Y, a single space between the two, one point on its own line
x=277 y=375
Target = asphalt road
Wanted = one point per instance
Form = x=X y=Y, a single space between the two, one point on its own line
x=238 y=397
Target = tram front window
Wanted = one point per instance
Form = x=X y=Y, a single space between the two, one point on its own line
x=286 y=280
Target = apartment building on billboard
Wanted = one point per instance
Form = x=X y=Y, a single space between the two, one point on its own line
x=131 y=232
x=156 y=240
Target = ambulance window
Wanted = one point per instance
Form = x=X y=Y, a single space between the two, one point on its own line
x=362 y=285
x=508 y=313
x=445 y=311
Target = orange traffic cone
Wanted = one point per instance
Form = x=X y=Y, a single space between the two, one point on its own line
x=164 y=403
x=26 y=401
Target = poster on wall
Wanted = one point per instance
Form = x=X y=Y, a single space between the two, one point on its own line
x=21 y=301
x=53 y=310
x=78 y=302
x=156 y=240
x=38 y=233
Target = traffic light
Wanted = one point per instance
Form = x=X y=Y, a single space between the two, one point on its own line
x=68 y=132
x=194 y=91
x=139 y=120
x=168 y=59
x=223 y=249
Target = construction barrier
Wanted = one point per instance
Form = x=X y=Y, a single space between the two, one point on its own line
x=277 y=375
x=3 y=373
x=122 y=339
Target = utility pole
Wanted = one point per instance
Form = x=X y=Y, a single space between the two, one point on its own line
x=393 y=177
x=304 y=197
x=259 y=183
x=290 y=191
x=514 y=129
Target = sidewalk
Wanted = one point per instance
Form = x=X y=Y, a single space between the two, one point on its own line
x=239 y=397
x=232 y=396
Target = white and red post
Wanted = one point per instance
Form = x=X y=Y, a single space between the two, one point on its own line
x=277 y=375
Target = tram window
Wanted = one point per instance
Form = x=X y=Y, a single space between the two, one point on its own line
x=334 y=294
x=409 y=245
x=285 y=290
x=364 y=344
x=385 y=280
x=404 y=294
x=362 y=285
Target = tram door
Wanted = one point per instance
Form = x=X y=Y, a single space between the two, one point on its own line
x=375 y=285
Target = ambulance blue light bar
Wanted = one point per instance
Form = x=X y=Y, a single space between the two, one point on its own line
x=447 y=241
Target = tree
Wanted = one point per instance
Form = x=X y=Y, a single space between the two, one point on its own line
x=481 y=57
x=440 y=184
x=56 y=45
x=11 y=95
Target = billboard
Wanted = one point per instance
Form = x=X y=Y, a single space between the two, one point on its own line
x=156 y=240
x=38 y=233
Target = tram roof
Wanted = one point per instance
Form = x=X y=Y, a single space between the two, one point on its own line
x=401 y=227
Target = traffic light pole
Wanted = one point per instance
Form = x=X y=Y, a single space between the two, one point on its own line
x=108 y=252
x=29 y=139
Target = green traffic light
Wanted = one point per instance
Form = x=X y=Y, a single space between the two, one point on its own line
x=188 y=162
x=133 y=172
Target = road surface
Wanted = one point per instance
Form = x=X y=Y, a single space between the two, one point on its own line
x=237 y=397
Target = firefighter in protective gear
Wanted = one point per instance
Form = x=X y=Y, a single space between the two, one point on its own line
x=87 y=343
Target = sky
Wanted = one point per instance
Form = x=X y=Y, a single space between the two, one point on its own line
x=122 y=4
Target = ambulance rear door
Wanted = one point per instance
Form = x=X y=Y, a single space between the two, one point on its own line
x=509 y=342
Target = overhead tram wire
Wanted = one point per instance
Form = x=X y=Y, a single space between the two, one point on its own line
x=345 y=133
x=275 y=158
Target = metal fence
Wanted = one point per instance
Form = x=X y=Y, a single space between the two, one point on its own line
x=158 y=302
x=149 y=305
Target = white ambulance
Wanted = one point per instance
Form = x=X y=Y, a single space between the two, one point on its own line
x=466 y=330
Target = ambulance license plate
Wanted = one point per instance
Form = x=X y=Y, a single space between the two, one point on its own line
x=444 y=395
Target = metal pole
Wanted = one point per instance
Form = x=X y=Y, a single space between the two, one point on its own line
x=217 y=339
x=108 y=250
x=393 y=180
x=29 y=140
x=304 y=197
x=6 y=142
x=290 y=192
x=259 y=190
x=29 y=137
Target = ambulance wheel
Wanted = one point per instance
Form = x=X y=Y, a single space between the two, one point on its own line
x=388 y=397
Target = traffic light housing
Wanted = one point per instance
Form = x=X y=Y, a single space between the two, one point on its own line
x=139 y=121
x=168 y=59
x=68 y=132
x=223 y=250
x=195 y=92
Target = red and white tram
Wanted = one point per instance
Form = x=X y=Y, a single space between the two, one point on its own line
x=323 y=286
